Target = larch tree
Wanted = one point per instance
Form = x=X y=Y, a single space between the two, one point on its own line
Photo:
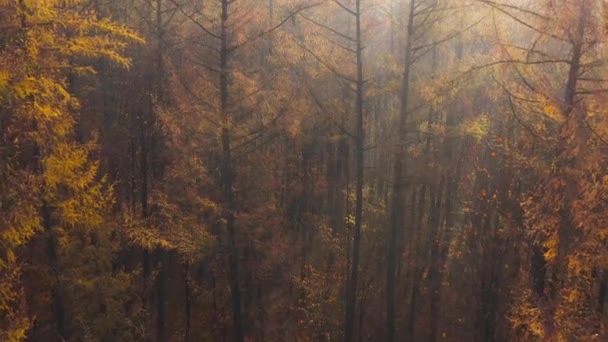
x=62 y=196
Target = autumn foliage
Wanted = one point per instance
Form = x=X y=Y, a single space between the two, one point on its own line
x=298 y=170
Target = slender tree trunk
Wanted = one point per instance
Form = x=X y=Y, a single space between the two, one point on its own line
x=399 y=188
x=133 y=168
x=59 y=311
x=271 y=20
x=361 y=318
x=603 y=303
x=434 y=242
x=417 y=266
x=574 y=118
x=143 y=150
x=435 y=264
x=161 y=288
x=161 y=281
x=227 y=175
x=359 y=146
x=159 y=51
x=187 y=304
x=417 y=273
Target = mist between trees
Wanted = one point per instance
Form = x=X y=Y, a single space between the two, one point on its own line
x=303 y=170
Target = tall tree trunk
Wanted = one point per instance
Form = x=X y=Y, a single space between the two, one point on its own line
x=187 y=304
x=161 y=281
x=399 y=188
x=435 y=234
x=161 y=288
x=143 y=150
x=416 y=246
x=227 y=176
x=435 y=264
x=603 y=303
x=574 y=118
x=271 y=20
x=359 y=153
x=57 y=298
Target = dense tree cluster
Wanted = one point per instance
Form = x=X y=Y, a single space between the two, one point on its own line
x=303 y=170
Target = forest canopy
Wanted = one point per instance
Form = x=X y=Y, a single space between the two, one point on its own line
x=303 y=170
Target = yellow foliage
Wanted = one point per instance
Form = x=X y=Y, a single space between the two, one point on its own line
x=551 y=249
x=572 y=296
x=477 y=127
x=4 y=78
x=527 y=316
x=50 y=37
x=148 y=238
x=553 y=112
x=17 y=331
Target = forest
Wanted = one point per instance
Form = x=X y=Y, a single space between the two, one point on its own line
x=304 y=170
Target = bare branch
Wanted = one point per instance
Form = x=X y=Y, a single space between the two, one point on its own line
x=345 y=8
x=328 y=116
x=272 y=29
x=599 y=137
x=328 y=28
x=523 y=10
x=514 y=113
x=326 y=65
x=521 y=21
x=196 y=22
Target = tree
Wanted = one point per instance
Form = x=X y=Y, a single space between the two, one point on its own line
x=62 y=193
